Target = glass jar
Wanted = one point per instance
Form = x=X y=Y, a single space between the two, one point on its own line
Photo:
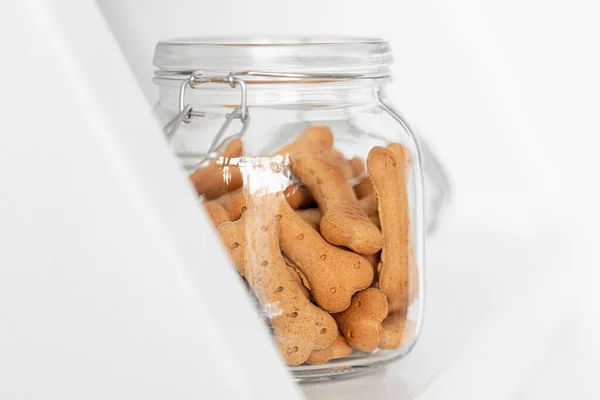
x=314 y=183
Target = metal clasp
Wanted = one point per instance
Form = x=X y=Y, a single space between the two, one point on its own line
x=187 y=113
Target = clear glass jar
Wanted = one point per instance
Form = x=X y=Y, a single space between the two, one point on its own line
x=314 y=183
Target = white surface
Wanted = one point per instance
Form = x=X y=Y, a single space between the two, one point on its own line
x=113 y=284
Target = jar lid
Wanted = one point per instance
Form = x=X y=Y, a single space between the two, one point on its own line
x=348 y=56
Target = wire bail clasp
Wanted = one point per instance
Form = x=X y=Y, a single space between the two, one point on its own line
x=187 y=113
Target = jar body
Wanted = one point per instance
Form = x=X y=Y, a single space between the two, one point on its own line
x=317 y=195
x=356 y=130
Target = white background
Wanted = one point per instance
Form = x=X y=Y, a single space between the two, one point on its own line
x=507 y=94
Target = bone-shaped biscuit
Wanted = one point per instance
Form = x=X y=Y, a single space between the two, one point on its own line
x=357 y=166
x=336 y=158
x=389 y=178
x=298 y=196
x=361 y=322
x=334 y=274
x=299 y=326
x=316 y=139
x=311 y=215
x=404 y=159
x=219 y=176
x=217 y=213
x=403 y=156
x=373 y=260
x=339 y=349
x=344 y=223
x=364 y=188
x=234 y=203
x=369 y=204
x=297 y=276
x=397 y=331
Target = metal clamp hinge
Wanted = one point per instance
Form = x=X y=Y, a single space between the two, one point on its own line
x=187 y=113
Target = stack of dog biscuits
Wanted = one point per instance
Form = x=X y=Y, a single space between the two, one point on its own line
x=329 y=256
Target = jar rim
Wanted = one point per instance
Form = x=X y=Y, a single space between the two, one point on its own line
x=269 y=40
x=347 y=55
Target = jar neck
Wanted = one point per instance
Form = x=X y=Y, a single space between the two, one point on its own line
x=333 y=94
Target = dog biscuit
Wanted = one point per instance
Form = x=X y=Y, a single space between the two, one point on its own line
x=397 y=331
x=296 y=275
x=357 y=167
x=344 y=223
x=299 y=326
x=404 y=158
x=316 y=139
x=219 y=176
x=337 y=159
x=363 y=189
x=217 y=213
x=339 y=349
x=389 y=178
x=298 y=196
x=234 y=203
x=373 y=260
x=334 y=274
x=361 y=322
x=311 y=215
x=369 y=204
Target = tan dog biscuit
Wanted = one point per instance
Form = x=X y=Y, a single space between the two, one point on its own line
x=397 y=331
x=310 y=223
x=402 y=155
x=233 y=149
x=343 y=223
x=363 y=189
x=217 y=213
x=389 y=179
x=356 y=166
x=315 y=139
x=312 y=215
x=373 y=260
x=234 y=203
x=298 y=196
x=233 y=237
x=297 y=276
x=361 y=322
x=375 y=220
x=339 y=349
x=299 y=326
x=404 y=158
x=337 y=159
x=334 y=274
x=369 y=204
x=219 y=177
